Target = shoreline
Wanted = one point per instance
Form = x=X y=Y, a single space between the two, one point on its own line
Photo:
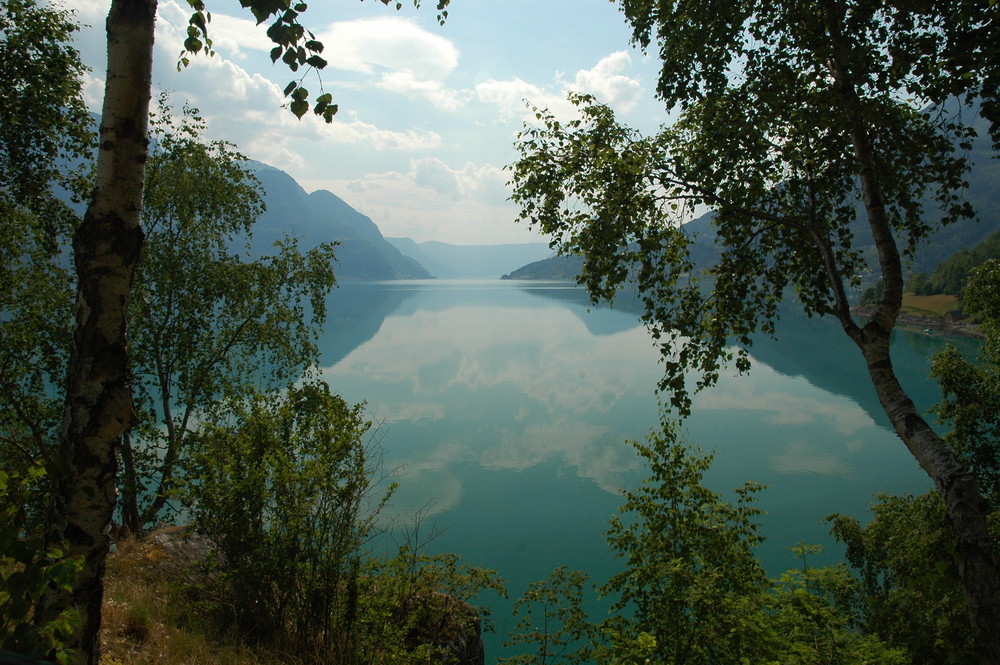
x=921 y=323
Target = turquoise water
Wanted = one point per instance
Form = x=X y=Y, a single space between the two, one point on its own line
x=505 y=406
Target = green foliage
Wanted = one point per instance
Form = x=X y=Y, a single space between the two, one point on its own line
x=905 y=557
x=919 y=284
x=30 y=568
x=911 y=590
x=808 y=619
x=45 y=138
x=46 y=128
x=688 y=562
x=971 y=403
x=690 y=591
x=688 y=556
x=288 y=492
x=208 y=320
x=550 y=615
x=871 y=295
x=417 y=608
x=952 y=275
x=285 y=491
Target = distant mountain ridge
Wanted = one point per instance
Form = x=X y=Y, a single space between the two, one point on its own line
x=362 y=252
x=471 y=261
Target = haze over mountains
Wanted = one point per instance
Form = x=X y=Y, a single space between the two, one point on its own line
x=471 y=261
x=362 y=252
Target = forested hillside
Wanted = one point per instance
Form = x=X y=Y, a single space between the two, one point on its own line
x=951 y=275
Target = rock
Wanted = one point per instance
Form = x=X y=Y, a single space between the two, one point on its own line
x=451 y=627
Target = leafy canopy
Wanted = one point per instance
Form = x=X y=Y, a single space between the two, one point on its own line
x=789 y=112
x=45 y=141
x=208 y=319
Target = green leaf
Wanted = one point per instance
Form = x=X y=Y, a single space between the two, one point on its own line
x=316 y=61
x=299 y=107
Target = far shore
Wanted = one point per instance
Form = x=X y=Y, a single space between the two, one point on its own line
x=923 y=323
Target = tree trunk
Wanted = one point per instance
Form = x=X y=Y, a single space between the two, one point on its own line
x=129 y=499
x=959 y=487
x=966 y=508
x=107 y=248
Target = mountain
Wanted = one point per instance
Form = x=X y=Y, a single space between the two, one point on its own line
x=411 y=249
x=556 y=267
x=471 y=261
x=362 y=252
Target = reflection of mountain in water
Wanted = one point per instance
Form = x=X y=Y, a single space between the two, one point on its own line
x=354 y=314
x=819 y=351
x=600 y=319
x=815 y=349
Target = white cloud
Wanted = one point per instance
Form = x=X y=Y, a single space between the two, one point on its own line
x=389 y=43
x=89 y=12
x=480 y=182
x=93 y=91
x=607 y=82
x=406 y=83
x=513 y=96
x=434 y=174
x=809 y=406
x=801 y=458
x=233 y=35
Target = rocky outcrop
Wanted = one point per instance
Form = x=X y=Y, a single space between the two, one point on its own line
x=449 y=627
x=447 y=630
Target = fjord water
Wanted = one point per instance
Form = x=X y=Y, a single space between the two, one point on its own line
x=506 y=406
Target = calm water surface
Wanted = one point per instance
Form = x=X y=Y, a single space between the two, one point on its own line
x=506 y=406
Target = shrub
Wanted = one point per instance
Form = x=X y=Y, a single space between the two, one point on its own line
x=285 y=491
x=30 y=567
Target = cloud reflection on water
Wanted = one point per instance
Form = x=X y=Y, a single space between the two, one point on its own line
x=502 y=382
x=506 y=388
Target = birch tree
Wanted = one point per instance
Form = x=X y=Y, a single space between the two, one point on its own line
x=799 y=122
x=107 y=247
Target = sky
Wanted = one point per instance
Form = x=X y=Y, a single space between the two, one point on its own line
x=428 y=113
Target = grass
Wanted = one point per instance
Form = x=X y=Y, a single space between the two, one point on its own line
x=929 y=306
x=147 y=619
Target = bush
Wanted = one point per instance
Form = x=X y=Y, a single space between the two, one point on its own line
x=690 y=591
x=286 y=494
x=30 y=567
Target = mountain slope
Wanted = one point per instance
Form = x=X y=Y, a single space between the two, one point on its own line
x=322 y=216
